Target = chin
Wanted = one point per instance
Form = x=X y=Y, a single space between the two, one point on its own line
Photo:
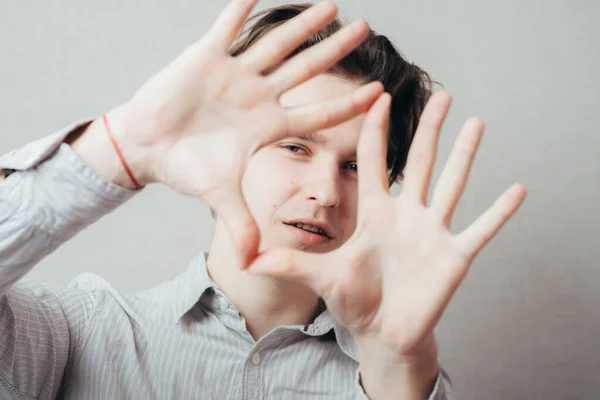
x=290 y=244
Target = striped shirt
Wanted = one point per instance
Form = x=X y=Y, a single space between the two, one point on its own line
x=183 y=339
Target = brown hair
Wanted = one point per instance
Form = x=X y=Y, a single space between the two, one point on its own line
x=376 y=59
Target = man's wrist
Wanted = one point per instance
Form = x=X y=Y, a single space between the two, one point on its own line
x=383 y=375
x=93 y=145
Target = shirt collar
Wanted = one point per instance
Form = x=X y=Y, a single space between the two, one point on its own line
x=194 y=282
x=190 y=286
x=324 y=323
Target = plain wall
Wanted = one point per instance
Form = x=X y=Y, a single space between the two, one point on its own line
x=525 y=324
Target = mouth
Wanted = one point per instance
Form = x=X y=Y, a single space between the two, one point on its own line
x=308 y=234
x=310 y=228
x=311 y=232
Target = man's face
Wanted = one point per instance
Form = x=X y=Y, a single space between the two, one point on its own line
x=299 y=185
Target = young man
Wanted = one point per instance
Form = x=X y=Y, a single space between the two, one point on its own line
x=318 y=283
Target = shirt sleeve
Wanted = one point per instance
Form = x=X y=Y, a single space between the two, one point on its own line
x=50 y=197
x=42 y=328
x=442 y=390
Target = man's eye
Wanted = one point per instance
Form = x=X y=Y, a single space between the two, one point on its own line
x=351 y=166
x=293 y=148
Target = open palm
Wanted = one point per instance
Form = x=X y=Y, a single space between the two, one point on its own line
x=392 y=279
x=207 y=112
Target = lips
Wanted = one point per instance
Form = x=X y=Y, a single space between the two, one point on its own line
x=313 y=226
x=307 y=238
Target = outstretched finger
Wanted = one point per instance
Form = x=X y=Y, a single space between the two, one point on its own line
x=318 y=58
x=283 y=40
x=453 y=179
x=228 y=24
x=372 y=148
x=472 y=239
x=306 y=119
x=294 y=265
x=423 y=150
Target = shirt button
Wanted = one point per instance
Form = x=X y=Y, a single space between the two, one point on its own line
x=256 y=358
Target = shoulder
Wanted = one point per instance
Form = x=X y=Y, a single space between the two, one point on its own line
x=115 y=301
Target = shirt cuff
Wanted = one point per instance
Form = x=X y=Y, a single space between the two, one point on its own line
x=37 y=151
x=58 y=192
x=442 y=390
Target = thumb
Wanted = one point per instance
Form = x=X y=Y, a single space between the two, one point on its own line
x=242 y=228
x=289 y=264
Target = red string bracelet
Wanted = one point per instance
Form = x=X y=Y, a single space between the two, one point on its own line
x=116 y=146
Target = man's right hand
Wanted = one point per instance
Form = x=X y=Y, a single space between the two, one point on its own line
x=194 y=124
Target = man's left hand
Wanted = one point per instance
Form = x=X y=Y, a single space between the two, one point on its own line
x=393 y=278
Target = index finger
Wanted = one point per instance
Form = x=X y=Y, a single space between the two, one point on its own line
x=310 y=269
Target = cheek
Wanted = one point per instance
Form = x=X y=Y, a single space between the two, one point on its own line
x=265 y=186
x=349 y=210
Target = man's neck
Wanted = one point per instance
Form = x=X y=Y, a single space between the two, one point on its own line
x=264 y=303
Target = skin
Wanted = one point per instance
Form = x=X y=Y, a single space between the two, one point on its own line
x=292 y=178
x=194 y=124
x=391 y=281
x=214 y=127
x=391 y=265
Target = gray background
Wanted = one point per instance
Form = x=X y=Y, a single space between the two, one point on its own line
x=525 y=324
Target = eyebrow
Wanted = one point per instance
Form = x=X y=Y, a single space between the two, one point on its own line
x=316 y=137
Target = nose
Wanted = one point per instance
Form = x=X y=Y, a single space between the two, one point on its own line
x=324 y=188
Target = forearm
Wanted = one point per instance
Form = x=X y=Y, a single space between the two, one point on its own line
x=45 y=203
x=385 y=376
